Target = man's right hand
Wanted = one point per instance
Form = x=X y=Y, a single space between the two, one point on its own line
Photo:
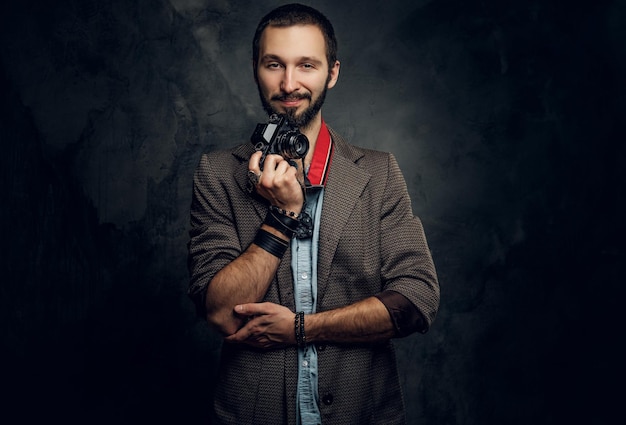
x=278 y=182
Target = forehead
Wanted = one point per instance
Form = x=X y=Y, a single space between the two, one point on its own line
x=293 y=41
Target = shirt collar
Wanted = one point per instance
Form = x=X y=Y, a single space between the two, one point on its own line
x=322 y=157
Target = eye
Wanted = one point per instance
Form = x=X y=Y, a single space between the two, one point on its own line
x=272 y=65
x=307 y=66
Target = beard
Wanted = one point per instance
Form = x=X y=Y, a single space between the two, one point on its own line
x=301 y=120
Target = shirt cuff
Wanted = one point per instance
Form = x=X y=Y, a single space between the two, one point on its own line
x=405 y=316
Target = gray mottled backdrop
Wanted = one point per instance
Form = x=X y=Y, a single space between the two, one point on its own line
x=505 y=116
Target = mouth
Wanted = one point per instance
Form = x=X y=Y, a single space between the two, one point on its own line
x=291 y=101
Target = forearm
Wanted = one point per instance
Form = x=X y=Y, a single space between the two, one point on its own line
x=364 y=321
x=245 y=280
x=224 y=273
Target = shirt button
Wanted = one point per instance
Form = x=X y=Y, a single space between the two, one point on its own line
x=304 y=276
x=305 y=363
x=328 y=399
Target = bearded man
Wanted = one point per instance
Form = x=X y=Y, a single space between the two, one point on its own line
x=309 y=266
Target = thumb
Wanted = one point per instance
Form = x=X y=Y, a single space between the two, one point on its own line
x=249 y=309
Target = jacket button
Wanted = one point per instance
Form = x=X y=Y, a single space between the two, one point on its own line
x=328 y=399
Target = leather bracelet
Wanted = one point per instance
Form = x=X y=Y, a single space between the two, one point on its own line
x=271 y=243
x=272 y=221
x=302 y=227
x=284 y=212
x=288 y=221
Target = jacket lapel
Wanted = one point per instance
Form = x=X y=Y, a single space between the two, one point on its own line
x=243 y=153
x=346 y=182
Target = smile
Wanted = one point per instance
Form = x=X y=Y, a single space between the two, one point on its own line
x=290 y=103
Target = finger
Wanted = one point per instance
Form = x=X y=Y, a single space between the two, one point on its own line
x=278 y=171
x=272 y=161
x=253 y=164
x=252 y=341
x=284 y=167
x=252 y=309
x=249 y=330
x=239 y=336
x=233 y=339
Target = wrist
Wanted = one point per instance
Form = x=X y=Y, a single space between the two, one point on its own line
x=272 y=229
x=290 y=223
x=283 y=224
x=311 y=328
x=271 y=243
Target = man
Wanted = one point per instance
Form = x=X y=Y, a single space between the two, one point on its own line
x=308 y=267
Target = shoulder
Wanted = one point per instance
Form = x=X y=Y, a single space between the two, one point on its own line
x=225 y=159
x=237 y=154
x=221 y=170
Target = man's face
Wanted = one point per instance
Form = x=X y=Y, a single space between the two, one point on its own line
x=293 y=74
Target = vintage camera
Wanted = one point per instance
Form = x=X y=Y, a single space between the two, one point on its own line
x=279 y=136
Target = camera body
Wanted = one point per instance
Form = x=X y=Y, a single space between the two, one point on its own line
x=279 y=136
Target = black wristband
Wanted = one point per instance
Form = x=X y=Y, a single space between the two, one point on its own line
x=271 y=243
x=272 y=221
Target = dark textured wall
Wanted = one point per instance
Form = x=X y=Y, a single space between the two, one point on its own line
x=506 y=118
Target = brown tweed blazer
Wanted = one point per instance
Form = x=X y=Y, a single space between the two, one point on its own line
x=370 y=241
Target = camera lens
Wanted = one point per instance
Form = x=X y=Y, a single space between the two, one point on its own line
x=293 y=145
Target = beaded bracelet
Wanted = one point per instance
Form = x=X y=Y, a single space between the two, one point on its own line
x=288 y=220
x=299 y=329
x=271 y=243
x=302 y=227
x=284 y=212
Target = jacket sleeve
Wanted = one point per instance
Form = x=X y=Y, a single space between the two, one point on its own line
x=214 y=241
x=407 y=266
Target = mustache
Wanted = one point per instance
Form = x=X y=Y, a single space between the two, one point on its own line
x=292 y=96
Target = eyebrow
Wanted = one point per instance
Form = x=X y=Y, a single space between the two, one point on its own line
x=270 y=57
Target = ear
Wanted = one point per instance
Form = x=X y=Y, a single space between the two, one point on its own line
x=334 y=75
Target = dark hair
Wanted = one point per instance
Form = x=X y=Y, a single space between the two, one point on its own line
x=296 y=14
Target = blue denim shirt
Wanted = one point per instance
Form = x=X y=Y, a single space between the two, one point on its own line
x=304 y=269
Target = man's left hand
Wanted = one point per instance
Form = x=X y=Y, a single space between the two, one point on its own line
x=269 y=326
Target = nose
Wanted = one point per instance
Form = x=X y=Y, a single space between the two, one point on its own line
x=289 y=82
